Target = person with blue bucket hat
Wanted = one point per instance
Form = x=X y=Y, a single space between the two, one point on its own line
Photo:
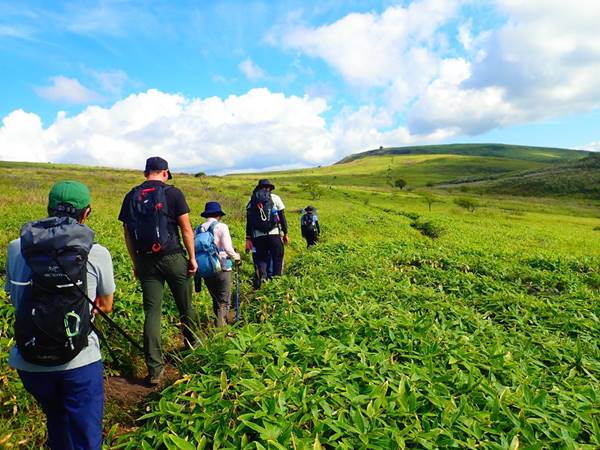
x=215 y=256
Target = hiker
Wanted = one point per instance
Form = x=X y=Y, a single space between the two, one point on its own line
x=214 y=254
x=266 y=229
x=309 y=225
x=152 y=215
x=49 y=270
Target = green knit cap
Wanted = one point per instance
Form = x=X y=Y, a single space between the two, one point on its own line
x=74 y=193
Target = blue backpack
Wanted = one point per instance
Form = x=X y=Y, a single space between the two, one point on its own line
x=207 y=253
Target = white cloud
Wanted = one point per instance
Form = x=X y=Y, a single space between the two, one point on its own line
x=252 y=71
x=68 y=90
x=592 y=146
x=258 y=129
x=358 y=130
x=542 y=62
x=111 y=81
x=11 y=31
x=372 y=49
x=113 y=18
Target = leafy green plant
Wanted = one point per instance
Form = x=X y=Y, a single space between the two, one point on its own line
x=484 y=337
x=469 y=204
x=400 y=183
x=428 y=227
x=313 y=188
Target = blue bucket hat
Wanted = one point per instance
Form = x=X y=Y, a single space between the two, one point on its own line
x=212 y=209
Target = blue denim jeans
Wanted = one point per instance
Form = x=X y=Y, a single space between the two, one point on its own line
x=73 y=401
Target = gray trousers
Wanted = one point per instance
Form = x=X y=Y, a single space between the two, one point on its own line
x=152 y=272
x=219 y=287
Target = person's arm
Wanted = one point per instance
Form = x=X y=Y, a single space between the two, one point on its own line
x=284 y=226
x=248 y=231
x=318 y=227
x=105 y=302
x=105 y=289
x=187 y=233
x=227 y=244
x=129 y=243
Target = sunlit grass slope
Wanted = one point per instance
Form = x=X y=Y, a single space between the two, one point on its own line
x=379 y=337
x=538 y=154
x=574 y=177
x=432 y=165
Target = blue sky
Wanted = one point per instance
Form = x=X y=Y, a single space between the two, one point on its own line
x=235 y=85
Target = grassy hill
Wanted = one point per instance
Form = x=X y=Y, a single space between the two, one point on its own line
x=519 y=152
x=432 y=165
x=381 y=336
x=580 y=177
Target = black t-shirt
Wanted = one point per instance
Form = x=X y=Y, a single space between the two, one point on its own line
x=176 y=206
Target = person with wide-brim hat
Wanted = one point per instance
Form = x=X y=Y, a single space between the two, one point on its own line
x=266 y=230
x=309 y=225
x=219 y=285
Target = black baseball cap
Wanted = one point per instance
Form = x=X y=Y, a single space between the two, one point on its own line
x=157 y=163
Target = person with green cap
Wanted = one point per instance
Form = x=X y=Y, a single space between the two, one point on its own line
x=49 y=271
x=153 y=213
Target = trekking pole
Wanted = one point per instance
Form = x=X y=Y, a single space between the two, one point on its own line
x=104 y=342
x=237 y=293
x=97 y=308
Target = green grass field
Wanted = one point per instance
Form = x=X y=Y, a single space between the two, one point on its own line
x=485 y=336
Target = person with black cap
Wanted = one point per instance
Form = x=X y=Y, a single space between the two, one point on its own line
x=309 y=225
x=49 y=269
x=219 y=284
x=152 y=215
x=266 y=229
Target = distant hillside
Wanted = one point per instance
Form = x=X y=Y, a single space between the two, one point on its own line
x=520 y=152
x=432 y=165
x=574 y=177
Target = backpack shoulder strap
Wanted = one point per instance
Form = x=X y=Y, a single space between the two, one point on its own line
x=211 y=229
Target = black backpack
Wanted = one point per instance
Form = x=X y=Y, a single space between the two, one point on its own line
x=53 y=322
x=309 y=222
x=261 y=214
x=148 y=218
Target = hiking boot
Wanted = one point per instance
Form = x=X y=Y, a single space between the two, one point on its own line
x=155 y=380
x=222 y=316
x=256 y=282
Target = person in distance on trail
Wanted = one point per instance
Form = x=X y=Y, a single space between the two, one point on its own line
x=49 y=270
x=309 y=225
x=217 y=277
x=152 y=215
x=266 y=229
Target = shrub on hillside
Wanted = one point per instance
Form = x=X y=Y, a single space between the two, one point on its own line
x=469 y=204
x=428 y=228
x=400 y=183
x=313 y=188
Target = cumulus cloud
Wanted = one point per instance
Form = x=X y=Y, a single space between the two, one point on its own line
x=67 y=90
x=251 y=70
x=257 y=129
x=592 y=146
x=371 y=49
x=111 y=81
x=541 y=62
